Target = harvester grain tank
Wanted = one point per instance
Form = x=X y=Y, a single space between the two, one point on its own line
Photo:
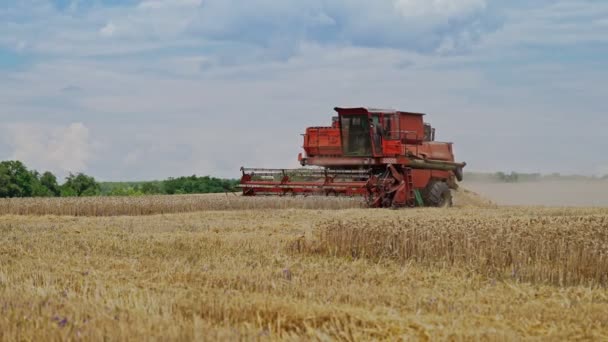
x=390 y=157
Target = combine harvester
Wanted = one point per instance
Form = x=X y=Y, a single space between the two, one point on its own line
x=389 y=157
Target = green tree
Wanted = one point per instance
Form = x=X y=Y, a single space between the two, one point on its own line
x=198 y=185
x=80 y=185
x=49 y=181
x=16 y=180
x=39 y=190
x=126 y=191
x=507 y=178
x=151 y=188
x=5 y=181
x=501 y=176
x=513 y=177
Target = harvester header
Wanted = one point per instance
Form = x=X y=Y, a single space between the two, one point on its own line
x=389 y=157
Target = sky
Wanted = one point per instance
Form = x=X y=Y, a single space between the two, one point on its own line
x=149 y=89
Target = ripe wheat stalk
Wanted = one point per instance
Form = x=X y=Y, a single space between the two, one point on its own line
x=563 y=251
x=152 y=205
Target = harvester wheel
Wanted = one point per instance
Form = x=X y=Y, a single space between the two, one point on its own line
x=438 y=194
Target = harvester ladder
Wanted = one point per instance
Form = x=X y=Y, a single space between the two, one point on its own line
x=410 y=187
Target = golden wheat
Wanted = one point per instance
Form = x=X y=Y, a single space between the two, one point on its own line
x=562 y=250
x=239 y=275
x=150 y=205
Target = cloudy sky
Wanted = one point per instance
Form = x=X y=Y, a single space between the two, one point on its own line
x=147 y=89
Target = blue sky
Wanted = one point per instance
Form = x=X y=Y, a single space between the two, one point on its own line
x=147 y=89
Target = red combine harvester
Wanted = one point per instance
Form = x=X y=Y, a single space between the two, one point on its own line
x=389 y=157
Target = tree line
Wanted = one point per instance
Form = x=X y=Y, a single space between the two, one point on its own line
x=172 y=186
x=16 y=180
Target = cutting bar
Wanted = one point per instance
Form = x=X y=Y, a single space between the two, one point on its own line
x=256 y=181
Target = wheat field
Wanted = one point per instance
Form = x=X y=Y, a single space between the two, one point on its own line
x=164 y=204
x=258 y=269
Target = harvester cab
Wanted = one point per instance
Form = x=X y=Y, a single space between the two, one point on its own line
x=377 y=132
x=389 y=157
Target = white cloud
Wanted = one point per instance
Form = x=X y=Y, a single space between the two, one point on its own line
x=445 y=9
x=182 y=75
x=20 y=46
x=74 y=5
x=279 y=26
x=555 y=25
x=152 y=20
x=108 y=30
x=60 y=149
x=161 y=4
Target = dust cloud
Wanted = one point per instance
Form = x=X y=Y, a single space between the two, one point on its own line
x=566 y=193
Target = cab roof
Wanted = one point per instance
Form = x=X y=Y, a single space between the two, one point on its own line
x=366 y=110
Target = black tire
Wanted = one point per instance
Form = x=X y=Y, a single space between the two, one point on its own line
x=437 y=194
